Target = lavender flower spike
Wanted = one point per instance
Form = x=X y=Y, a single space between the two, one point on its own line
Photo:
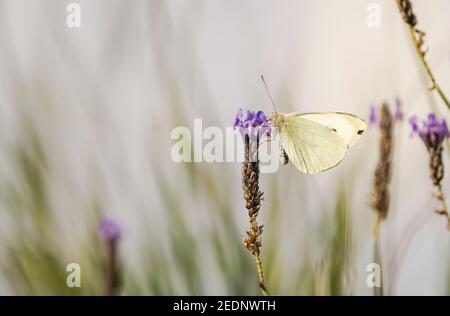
x=252 y=125
x=110 y=233
x=108 y=230
x=432 y=132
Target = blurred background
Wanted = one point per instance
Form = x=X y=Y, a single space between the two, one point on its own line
x=86 y=116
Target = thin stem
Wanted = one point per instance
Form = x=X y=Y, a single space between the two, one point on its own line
x=262 y=284
x=444 y=210
x=111 y=277
x=378 y=291
x=376 y=226
x=426 y=66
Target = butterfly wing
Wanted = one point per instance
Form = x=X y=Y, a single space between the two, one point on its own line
x=312 y=147
x=348 y=126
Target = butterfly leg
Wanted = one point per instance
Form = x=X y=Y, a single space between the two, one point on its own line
x=266 y=140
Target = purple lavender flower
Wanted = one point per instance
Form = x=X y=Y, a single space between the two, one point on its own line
x=252 y=123
x=433 y=131
x=373 y=115
x=398 y=115
x=108 y=230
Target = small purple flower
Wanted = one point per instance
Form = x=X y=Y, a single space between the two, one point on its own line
x=108 y=230
x=398 y=115
x=252 y=123
x=433 y=131
x=373 y=115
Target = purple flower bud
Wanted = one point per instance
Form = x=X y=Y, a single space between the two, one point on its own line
x=373 y=115
x=252 y=123
x=108 y=230
x=238 y=119
x=414 y=124
x=398 y=115
x=432 y=132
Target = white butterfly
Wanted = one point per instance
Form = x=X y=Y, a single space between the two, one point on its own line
x=315 y=142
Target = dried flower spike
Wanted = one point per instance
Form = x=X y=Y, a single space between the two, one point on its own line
x=406 y=10
x=382 y=176
x=433 y=132
x=418 y=39
x=253 y=125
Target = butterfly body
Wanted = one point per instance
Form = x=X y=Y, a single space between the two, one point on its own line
x=315 y=142
x=284 y=158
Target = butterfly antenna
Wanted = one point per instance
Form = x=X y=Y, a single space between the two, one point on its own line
x=268 y=92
